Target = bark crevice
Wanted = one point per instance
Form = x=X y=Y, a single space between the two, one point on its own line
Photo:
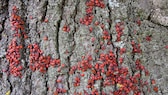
x=10 y=84
x=45 y=11
x=59 y=26
x=4 y=13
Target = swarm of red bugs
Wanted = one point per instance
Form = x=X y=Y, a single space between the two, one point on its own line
x=13 y=53
x=114 y=73
x=88 y=18
x=106 y=35
x=136 y=48
x=77 y=81
x=38 y=61
x=119 y=29
x=16 y=22
x=108 y=67
x=13 y=56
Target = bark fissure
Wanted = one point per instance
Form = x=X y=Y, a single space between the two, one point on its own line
x=46 y=83
x=162 y=92
x=74 y=45
x=76 y=12
x=59 y=26
x=11 y=87
x=3 y=25
x=30 y=84
x=43 y=19
x=4 y=11
x=45 y=11
x=22 y=39
x=69 y=64
x=110 y=16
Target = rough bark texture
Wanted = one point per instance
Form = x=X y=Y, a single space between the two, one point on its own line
x=71 y=46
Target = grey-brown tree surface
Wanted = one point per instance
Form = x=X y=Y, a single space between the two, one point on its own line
x=46 y=22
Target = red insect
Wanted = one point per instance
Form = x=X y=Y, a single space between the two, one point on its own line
x=155 y=88
x=45 y=38
x=45 y=20
x=82 y=74
x=153 y=81
x=148 y=38
x=91 y=29
x=66 y=28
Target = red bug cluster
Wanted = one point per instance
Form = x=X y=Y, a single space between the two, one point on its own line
x=94 y=92
x=121 y=59
x=84 y=65
x=122 y=50
x=13 y=56
x=106 y=35
x=138 y=65
x=16 y=22
x=77 y=93
x=66 y=28
x=38 y=61
x=13 y=53
x=97 y=3
x=77 y=81
x=119 y=29
x=115 y=74
x=136 y=48
x=87 y=20
x=60 y=90
x=108 y=64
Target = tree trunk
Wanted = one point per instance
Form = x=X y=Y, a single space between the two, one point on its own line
x=105 y=47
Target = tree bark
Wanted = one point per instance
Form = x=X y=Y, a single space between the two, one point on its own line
x=45 y=23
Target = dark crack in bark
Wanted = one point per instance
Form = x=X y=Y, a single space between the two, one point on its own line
x=4 y=13
x=46 y=83
x=24 y=14
x=69 y=65
x=2 y=26
x=43 y=19
x=76 y=12
x=30 y=85
x=11 y=87
x=110 y=16
x=61 y=6
x=45 y=10
x=74 y=44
